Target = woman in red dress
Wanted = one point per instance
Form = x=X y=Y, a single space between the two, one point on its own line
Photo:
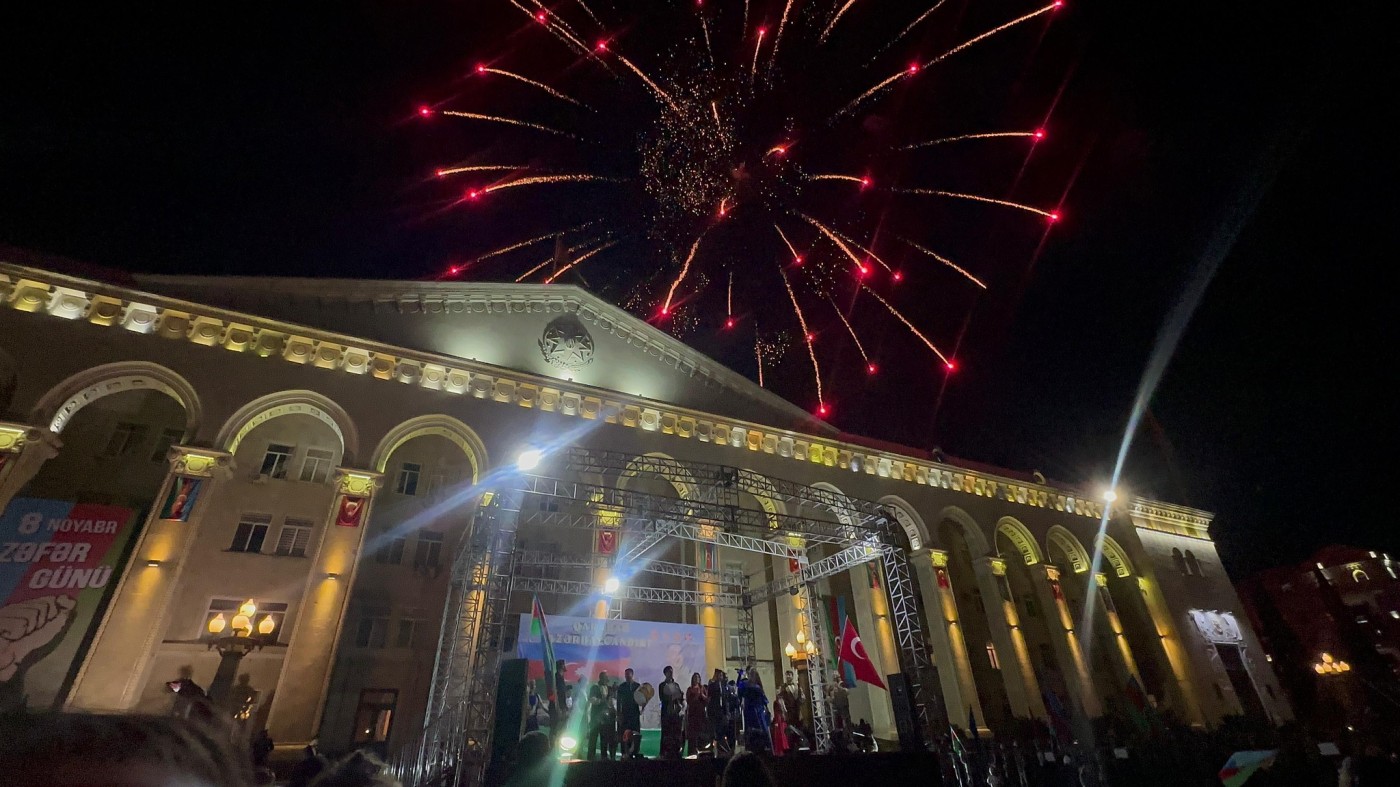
x=698 y=734
x=780 y=725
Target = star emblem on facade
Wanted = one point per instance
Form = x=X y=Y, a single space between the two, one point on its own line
x=566 y=344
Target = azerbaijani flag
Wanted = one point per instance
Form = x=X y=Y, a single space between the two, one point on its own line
x=1243 y=764
x=538 y=628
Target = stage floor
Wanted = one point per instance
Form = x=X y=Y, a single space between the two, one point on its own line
x=809 y=771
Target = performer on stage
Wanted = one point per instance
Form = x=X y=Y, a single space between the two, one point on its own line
x=629 y=716
x=756 y=719
x=716 y=713
x=672 y=699
x=698 y=732
x=601 y=720
x=780 y=724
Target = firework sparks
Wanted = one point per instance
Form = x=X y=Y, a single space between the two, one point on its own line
x=1037 y=135
x=1006 y=203
x=909 y=325
x=507 y=121
x=540 y=180
x=538 y=85
x=702 y=124
x=579 y=261
x=809 y=338
x=837 y=18
x=947 y=262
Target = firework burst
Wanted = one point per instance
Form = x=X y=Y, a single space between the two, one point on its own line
x=727 y=158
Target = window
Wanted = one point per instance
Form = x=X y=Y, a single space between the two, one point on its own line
x=404 y=636
x=317 y=465
x=1179 y=560
x=375 y=716
x=168 y=437
x=992 y=656
x=1358 y=576
x=737 y=651
x=275 y=461
x=293 y=538
x=407 y=481
x=1047 y=658
x=429 y=551
x=251 y=533
x=126 y=439
x=372 y=632
x=228 y=607
x=391 y=553
x=1193 y=567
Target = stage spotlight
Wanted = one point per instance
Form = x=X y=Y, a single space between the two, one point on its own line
x=529 y=459
x=568 y=743
x=612 y=585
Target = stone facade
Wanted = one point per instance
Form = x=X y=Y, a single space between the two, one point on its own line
x=342 y=432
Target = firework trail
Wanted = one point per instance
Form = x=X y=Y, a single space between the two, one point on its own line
x=778 y=38
x=579 y=261
x=655 y=88
x=508 y=121
x=910 y=326
x=553 y=258
x=758 y=355
x=1049 y=214
x=729 y=299
x=680 y=277
x=835 y=238
x=532 y=83
x=1038 y=134
x=807 y=337
x=834 y=176
x=834 y=20
x=540 y=180
x=869 y=253
x=757 y=47
x=445 y=171
x=589 y=11
x=852 y=331
x=796 y=258
x=906 y=31
x=874 y=90
x=946 y=262
x=984 y=36
x=532 y=241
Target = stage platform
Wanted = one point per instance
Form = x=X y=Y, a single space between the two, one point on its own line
x=876 y=770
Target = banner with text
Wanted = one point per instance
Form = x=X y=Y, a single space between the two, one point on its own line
x=58 y=561
x=590 y=645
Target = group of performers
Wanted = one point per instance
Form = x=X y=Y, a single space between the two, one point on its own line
x=711 y=718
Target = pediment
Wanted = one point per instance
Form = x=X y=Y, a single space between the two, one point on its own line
x=558 y=331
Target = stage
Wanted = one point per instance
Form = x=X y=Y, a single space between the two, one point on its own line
x=808 y=771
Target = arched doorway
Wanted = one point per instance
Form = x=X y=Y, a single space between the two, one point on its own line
x=1093 y=614
x=962 y=539
x=116 y=424
x=382 y=678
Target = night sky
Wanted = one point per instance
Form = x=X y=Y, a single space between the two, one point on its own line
x=280 y=139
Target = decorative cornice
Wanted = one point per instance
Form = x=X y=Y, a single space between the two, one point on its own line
x=1168 y=518
x=16 y=438
x=65 y=297
x=360 y=483
x=200 y=462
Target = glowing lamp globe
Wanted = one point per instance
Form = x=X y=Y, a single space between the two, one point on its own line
x=266 y=625
x=790 y=650
x=217 y=624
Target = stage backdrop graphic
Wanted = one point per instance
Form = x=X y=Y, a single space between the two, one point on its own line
x=589 y=646
x=58 y=566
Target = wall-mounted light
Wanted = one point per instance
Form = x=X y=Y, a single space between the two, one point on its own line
x=153 y=564
x=332 y=575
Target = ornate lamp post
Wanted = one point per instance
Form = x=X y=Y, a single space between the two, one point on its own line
x=239 y=641
x=800 y=656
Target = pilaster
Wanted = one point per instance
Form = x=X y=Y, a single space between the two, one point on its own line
x=23 y=450
x=1106 y=612
x=306 y=670
x=946 y=638
x=1022 y=690
x=1173 y=651
x=125 y=644
x=1059 y=622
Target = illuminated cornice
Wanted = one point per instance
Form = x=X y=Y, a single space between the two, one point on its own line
x=1168 y=518
x=65 y=297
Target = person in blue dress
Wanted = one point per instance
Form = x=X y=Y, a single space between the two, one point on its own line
x=756 y=718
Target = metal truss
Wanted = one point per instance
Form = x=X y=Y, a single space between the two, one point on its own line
x=914 y=658
x=525 y=558
x=845 y=560
x=651 y=539
x=816 y=671
x=569 y=587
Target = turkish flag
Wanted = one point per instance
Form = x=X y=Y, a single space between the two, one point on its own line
x=853 y=653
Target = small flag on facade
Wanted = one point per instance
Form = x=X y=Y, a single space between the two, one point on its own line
x=853 y=652
x=538 y=628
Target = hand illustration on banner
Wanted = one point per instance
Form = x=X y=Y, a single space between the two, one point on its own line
x=26 y=627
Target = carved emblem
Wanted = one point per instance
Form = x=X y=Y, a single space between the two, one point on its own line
x=566 y=343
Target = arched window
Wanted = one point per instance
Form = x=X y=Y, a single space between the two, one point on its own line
x=1359 y=576
x=1179 y=561
x=1193 y=567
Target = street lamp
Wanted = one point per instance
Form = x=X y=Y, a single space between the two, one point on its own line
x=1330 y=666
x=235 y=639
x=801 y=656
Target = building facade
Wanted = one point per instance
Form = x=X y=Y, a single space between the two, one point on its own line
x=1331 y=628
x=320 y=447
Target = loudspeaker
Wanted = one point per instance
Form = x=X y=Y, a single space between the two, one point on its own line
x=510 y=709
x=906 y=715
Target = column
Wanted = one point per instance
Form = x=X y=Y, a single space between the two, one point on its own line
x=945 y=636
x=115 y=670
x=23 y=450
x=1178 y=663
x=1059 y=622
x=1106 y=612
x=709 y=558
x=1022 y=690
x=306 y=669
x=873 y=625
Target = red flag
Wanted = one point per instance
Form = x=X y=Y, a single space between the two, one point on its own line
x=853 y=653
